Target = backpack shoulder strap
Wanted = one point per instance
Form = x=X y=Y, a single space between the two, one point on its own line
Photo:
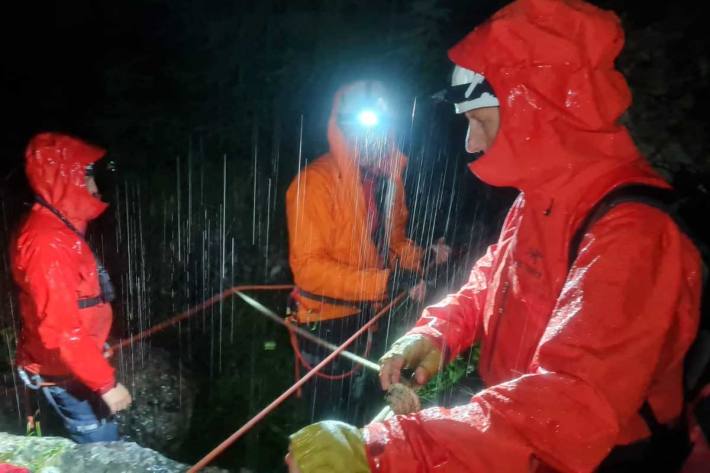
x=657 y=197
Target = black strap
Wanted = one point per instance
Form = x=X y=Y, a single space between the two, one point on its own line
x=61 y=217
x=649 y=417
x=86 y=302
x=382 y=186
x=656 y=197
x=105 y=296
x=326 y=299
x=668 y=446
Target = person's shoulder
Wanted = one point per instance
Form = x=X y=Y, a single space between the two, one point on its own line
x=638 y=225
x=42 y=234
x=639 y=216
x=320 y=172
x=324 y=166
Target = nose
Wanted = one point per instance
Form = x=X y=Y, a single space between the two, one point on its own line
x=475 y=138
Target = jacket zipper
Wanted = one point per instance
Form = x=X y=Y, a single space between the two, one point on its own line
x=499 y=316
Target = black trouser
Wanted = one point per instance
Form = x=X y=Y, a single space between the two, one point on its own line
x=356 y=396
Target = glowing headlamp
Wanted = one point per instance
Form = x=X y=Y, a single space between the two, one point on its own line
x=368 y=118
x=364 y=111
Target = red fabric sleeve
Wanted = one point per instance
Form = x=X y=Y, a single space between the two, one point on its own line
x=52 y=282
x=604 y=345
x=454 y=323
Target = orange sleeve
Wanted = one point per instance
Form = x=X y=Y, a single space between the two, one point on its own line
x=310 y=226
x=635 y=282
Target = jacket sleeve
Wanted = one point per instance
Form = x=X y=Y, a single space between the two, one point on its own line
x=310 y=225
x=592 y=369
x=405 y=250
x=52 y=285
x=454 y=323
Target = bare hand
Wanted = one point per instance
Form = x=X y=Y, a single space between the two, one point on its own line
x=442 y=251
x=415 y=352
x=117 y=398
x=418 y=293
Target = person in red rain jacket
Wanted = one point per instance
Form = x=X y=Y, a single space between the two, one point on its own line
x=64 y=300
x=570 y=355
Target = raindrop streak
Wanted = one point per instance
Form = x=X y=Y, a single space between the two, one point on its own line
x=255 y=137
x=222 y=265
x=10 y=350
x=171 y=254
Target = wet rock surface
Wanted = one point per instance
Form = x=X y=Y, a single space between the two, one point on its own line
x=60 y=455
x=163 y=398
x=667 y=65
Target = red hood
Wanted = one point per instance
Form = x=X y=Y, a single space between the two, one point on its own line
x=55 y=165
x=345 y=154
x=551 y=64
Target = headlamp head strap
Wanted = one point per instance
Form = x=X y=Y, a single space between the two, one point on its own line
x=468 y=91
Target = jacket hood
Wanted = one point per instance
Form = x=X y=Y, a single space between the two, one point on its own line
x=55 y=164
x=551 y=65
x=345 y=154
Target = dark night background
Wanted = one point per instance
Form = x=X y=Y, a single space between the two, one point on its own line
x=180 y=91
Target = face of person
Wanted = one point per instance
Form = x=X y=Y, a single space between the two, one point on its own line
x=371 y=151
x=92 y=187
x=483 y=124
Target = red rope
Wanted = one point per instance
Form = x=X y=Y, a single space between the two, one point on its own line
x=286 y=394
x=330 y=377
x=196 y=309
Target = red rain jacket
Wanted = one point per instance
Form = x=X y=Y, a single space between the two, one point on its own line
x=569 y=357
x=54 y=267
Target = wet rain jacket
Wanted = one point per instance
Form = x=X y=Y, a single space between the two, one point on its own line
x=331 y=250
x=569 y=356
x=54 y=268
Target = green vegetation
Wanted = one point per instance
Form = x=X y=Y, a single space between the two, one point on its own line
x=461 y=367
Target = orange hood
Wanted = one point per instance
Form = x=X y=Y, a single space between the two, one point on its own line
x=345 y=154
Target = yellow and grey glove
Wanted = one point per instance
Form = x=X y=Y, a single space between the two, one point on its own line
x=329 y=446
x=415 y=352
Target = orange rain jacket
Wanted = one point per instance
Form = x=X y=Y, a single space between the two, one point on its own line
x=332 y=253
x=54 y=268
x=569 y=357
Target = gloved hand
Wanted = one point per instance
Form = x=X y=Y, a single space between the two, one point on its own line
x=405 y=280
x=415 y=352
x=328 y=446
x=442 y=251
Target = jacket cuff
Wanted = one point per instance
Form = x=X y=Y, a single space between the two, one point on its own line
x=106 y=388
x=436 y=339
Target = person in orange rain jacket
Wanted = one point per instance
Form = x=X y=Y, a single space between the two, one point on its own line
x=65 y=293
x=582 y=351
x=347 y=216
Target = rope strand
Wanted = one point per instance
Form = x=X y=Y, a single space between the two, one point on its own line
x=196 y=309
x=286 y=394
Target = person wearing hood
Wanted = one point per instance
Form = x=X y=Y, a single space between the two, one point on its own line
x=65 y=292
x=347 y=219
x=582 y=348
